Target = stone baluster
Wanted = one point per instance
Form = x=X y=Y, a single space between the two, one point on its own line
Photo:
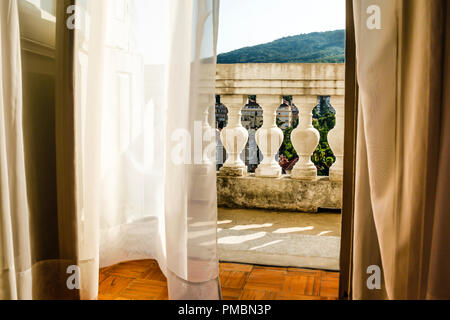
x=269 y=137
x=234 y=137
x=305 y=139
x=336 y=139
x=204 y=154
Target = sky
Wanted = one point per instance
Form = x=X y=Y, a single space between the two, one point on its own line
x=250 y=22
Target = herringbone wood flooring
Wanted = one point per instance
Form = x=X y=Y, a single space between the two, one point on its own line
x=143 y=280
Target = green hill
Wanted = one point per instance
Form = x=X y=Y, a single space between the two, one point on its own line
x=316 y=47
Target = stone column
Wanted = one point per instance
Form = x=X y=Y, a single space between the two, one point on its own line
x=336 y=138
x=269 y=137
x=234 y=137
x=305 y=139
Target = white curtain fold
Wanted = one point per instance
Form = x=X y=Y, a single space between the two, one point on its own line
x=144 y=106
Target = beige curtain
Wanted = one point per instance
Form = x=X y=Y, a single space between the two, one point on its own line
x=402 y=220
x=39 y=245
x=15 y=263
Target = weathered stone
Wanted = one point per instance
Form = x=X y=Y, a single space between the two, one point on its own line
x=232 y=172
x=336 y=175
x=281 y=193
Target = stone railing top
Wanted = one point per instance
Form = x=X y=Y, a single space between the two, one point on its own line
x=280 y=79
x=281 y=71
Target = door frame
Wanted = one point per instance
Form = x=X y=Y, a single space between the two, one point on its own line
x=348 y=189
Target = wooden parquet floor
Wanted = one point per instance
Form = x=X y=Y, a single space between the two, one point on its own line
x=143 y=280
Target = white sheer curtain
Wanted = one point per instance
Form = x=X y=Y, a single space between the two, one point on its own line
x=144 y=101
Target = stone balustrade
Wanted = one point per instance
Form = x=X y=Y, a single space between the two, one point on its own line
x=305 y=83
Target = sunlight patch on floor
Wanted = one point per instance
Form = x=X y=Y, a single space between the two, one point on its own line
x=292 y=230
x=224 y=222
x=266 y=245
x=241 y=239
x=252 y=226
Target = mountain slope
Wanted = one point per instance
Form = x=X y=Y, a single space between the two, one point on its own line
x=316 y=47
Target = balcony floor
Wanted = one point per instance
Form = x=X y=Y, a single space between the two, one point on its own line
x=143 y=280
x=282 y=239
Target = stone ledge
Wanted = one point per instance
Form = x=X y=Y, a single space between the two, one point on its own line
x=284 y=193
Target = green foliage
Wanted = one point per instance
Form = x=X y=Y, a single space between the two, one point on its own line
x=287 y=149
x=324 y=121
x=316 y=47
